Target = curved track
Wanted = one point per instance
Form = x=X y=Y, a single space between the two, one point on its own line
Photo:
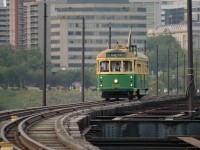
x=35 y=128
x=56 y=127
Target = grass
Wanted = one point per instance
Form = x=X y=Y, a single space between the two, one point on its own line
x=33 y=97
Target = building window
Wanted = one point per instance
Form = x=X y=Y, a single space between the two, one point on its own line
x=55 y=57
x=55 y=33
x=141 y=9
x=79 y=65
x=57 y=65
x=56 y=49
x=55 y=41
x=55 y=25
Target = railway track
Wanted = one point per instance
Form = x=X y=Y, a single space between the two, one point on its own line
x=63 y=127
x=35 y=128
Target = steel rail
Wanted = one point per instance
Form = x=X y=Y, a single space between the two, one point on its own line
x=77 y=109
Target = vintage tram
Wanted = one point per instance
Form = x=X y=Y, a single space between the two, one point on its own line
x=122 y=72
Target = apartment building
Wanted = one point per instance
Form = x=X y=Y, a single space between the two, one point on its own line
x=33 y=35
x=179 y=31
x=1 y=3
x=3 y=24
x=15 y=13
x=66 y=29
x=26 y=24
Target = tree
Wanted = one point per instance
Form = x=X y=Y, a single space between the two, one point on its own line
x=6 y=56
x=18 y=68
x=164 y=43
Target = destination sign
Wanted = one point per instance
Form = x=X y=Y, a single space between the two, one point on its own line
x=115 y=54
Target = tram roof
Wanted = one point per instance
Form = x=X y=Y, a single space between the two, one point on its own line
x=122 y=48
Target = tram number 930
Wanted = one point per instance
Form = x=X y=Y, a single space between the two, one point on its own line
x=115 y=85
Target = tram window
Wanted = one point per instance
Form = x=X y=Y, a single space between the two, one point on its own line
x=115 y=66
x=127 y=66
x=104 y=66
x=147 y=68
x=138 y=68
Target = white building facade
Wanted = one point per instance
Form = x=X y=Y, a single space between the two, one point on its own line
x=180 y=33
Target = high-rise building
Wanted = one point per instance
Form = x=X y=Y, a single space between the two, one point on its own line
x=172 y=11
x=15 y=20
x=174 y=16
x=3 y=24
x=66 y=29
x=1 y=3
x=33 y=26
x=153 y=11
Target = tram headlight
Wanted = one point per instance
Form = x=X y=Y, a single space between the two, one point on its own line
x=101 y=77
x=101 y=85
x=131 y=84
x=131 y=77
x=115 y=81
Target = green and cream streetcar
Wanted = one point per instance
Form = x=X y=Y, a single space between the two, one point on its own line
x=122 y=72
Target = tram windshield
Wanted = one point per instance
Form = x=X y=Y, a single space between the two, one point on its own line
x=116 y=66
x=104 y=66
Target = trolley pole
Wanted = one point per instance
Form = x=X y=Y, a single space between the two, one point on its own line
x=190 y=59
x=83 y=63
x=110 y=37
x=145 y=47
x=44 y=54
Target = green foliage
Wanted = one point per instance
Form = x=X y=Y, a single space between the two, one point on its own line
x=164 y=43
x=18 y=67
x=34 y=59
x=6 y=56
x=68 y=77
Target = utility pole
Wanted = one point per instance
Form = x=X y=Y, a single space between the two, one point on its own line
x=168 y=73
x=184 y=73
x=156 y=69
x=190 y=59
x=83 y=63
x=44 y=54
x=196 y=73
x=176 y=72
